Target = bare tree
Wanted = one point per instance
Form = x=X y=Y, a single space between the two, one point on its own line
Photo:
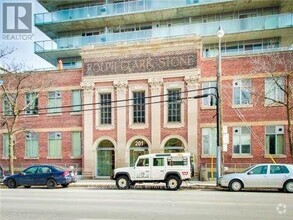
x=278 y=66
x=16 y=81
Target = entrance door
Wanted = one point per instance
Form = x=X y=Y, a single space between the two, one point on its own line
x=105 y=162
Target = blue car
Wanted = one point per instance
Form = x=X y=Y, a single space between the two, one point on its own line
x=39 y=175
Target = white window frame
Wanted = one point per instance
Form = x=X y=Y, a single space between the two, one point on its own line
x=72 y=147
x=30 y=103
x=271 y=86
x=278 y=130
x=58 y=136
x=5 y=144
x=138 y=88
x=211 y=133
x=56 y=109
x=238 y=133
x=239 y=83
x=170 y=86
x=30 y=137
x=210 y=97
x=100 y=126
x=76 y=109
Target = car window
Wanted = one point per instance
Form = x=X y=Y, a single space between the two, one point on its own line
x=277 y=169
x=143 y=162
x=44 y=170
x=259 y=170
x=158 y=162
x=30 y=170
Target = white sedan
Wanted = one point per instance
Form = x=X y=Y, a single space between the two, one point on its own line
x=277 y=176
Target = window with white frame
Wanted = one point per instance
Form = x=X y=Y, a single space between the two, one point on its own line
x=242 y=92
x=55 y=145
x=5 y=152
x=174 y=105
x=31 y=101
x=274 y=87
x=76 y=100
x=275 y=140
x=209 y=88
x=54 y=102
x=8 y=101
x=139 y=107
x=106 y=110
x=209 y=141
x=76 y=144
x=31 y=145
x=241 y=140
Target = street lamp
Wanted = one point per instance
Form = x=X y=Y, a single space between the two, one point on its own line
x=220 y=34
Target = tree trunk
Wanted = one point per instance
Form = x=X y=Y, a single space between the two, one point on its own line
x=11 y=154
x=288 y=111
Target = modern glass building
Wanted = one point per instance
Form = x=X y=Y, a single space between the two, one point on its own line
x=137 y=66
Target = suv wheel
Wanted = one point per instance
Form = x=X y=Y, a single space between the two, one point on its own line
x=123 y=182
x=289 y=186
x=235 y=185
x=173 y=183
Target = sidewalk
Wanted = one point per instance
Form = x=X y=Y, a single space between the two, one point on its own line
x=110 y=184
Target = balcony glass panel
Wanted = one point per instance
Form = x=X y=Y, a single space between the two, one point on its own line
x=114 y=9
x=201 y=29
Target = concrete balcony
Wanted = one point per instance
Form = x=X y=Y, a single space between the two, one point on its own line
x=139 y=11
x=71 y=46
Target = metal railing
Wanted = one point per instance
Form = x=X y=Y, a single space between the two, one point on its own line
x=114 y=9
x=202 y=29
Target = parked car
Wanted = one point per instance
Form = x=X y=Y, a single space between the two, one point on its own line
x=169 y=168
x=41 y=175
x=2 y=174
x=275 y=176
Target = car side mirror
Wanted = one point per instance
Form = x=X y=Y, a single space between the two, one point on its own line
x=249 y=173
x=22 y=173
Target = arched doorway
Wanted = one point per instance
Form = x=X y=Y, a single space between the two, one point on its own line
x=174 y=145
x=138 y=147
x=105 y=158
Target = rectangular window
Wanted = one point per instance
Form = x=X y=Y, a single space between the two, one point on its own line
x=76 y=100
x=106 y=110
x=242 y=92
x=275 y=140
x=5 y=153
x=76 y=144
x=54 y=102
x=139 y=107
x=209 y=141
x=55 y=141
x=8 y=104
x=211 y=99
x=31 y=102
x=31 y=145
x=174 y=105
x=241 y=140
x=274 y=90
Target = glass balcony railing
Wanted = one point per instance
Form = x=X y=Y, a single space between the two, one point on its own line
x=114 y=9
x=201 y=29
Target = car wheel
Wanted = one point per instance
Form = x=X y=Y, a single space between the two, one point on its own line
x=11 y=183
x=235 y=185
x=173 y=183
x=65 y=185
x=51 y=184
x=27 y=187
x=123 y=182
x=289 y=186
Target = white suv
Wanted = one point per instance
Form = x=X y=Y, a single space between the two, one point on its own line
x=171 y=168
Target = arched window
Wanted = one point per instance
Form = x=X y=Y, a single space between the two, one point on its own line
x=137 y=148
x=174 y=145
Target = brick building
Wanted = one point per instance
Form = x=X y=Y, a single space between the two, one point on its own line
x=138 y=65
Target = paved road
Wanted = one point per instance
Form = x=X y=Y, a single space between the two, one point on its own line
x=91 y=203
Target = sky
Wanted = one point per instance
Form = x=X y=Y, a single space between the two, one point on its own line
x=24 y=52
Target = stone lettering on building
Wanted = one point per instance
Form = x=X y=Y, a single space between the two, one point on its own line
x=138 y=64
